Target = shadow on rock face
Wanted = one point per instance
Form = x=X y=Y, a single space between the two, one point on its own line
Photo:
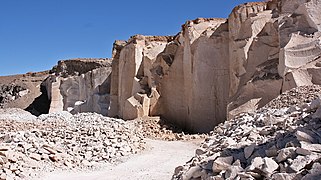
x=41 y=104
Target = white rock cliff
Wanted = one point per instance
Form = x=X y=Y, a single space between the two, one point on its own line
x=216 y=68
x=211 y=71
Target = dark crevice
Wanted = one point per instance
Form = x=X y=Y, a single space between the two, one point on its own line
x=41 y=104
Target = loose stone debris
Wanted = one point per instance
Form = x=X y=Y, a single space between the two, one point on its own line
x=31 y=146
x=282 y=142
x=63 y=141
x=157 y=128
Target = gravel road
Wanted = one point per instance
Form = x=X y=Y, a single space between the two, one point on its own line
x=156 y=163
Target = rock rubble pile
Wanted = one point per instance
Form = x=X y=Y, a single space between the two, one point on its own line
x=63 y=141
x=157 y=128
x=282 y=143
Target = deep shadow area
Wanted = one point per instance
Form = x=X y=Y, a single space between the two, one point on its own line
x=41 y=104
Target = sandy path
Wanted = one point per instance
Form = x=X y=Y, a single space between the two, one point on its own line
x=156 y=163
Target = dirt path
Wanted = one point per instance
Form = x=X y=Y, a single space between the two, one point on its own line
x=156 y=163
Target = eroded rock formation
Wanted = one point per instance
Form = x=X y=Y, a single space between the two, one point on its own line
x=80 y=85
x=216 y=68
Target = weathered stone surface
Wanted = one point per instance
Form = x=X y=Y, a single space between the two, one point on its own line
x=222 y=163
x=301 y=161
x=233 y=171
x=248 y=151
x=35 y=156
x=269 y=165
x=158 y=74
x=88 y=90
x=285 y=153
x=75 y=67
x=283 y=176
x=262 y=49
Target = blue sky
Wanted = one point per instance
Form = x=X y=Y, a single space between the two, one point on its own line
x=35 y=34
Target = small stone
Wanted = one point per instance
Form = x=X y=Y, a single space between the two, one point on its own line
x=1 y=161
x=13 y=167
x=249 y=150
x=233 y=171
x=178 y=169
x=285 y=154
x=7 y=171
x=200 y=151
x=311 y=147
x=269 y=165
x=50 y=149
x=315 y=104
x=247 y=175
x=12 y=156
x=54 y=158
x=271 y=152
x=26 y=146
x=86 y=163
x=44 y=156
x=192 y=172
x=283 y=176
x=35 y=156
x=316 y=169
x=256 y=163
x=303 y=136
x=222 y=163
x=3 y=176
x=302 y=161
x=68 y=164
x=302 y=151
x=317 y=113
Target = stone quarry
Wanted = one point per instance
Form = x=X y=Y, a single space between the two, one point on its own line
x=79 y=85
x=250 y=81
x=212 y=70
x=215 y=69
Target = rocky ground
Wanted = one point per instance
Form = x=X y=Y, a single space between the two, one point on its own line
x=62 y=141
x=159 y=129
x=279 y=141
x=156 y=162
x=32 y=146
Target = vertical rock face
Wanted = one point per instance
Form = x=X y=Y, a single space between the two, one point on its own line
x=216 y=68
x=114 y=104
x=254 y=51
x=193 y=90
x=132 y=79
x=300 y=48
x=87 y=92
x=245 y=23
x=181 y=78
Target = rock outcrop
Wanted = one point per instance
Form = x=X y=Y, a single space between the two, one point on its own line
x=24 y=91
x=215 y=69
x=78 y=66
x=165 y=76
x=80 y=85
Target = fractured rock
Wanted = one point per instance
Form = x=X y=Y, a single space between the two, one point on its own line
x=222 y=164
